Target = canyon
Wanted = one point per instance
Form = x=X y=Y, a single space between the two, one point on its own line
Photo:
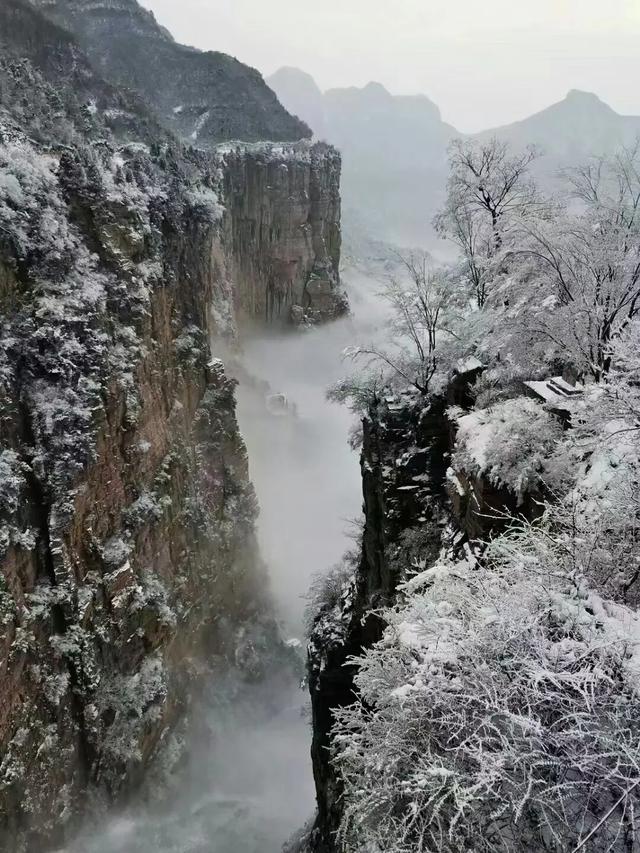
x=203 y=555
x=131 y=573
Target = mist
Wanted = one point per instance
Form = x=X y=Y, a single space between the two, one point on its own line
x=216 y=220
x=306 y=475
x=485 y=66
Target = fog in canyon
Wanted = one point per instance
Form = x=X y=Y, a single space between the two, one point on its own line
x=247 y=785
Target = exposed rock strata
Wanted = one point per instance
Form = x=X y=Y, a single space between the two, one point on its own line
x=284 y=215
x=128 y=516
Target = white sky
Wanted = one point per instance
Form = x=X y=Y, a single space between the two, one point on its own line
x=484 y=62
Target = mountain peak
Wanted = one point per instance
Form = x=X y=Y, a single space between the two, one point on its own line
x=290 y=72
x=203 y=97
x=581 y=96
x=299 y=93
x=375 y=88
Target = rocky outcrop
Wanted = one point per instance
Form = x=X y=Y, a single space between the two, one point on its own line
x=203 y=97
x=279 y=204
x=283 y=207
x=403 y=476
x=412 y=508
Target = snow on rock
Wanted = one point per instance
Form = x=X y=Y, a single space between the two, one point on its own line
x=125 y=502
x=508 y=442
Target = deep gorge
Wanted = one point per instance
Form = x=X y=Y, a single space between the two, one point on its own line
x=131 y=568
x=138 y=623
x=311 y=542
x=247 y=784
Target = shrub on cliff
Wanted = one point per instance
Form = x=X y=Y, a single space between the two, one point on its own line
x=498 y=713
x=509 y=442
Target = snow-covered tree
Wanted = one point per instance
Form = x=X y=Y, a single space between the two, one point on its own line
x=489 y=191
x=621 y=390
x=588 y=264
x=424 y=304
x=500 y=711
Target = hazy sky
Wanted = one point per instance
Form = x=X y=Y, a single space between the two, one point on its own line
x=484 y=62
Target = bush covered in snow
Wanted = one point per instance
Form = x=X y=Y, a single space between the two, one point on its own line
x=499 y=712
x=328 y=592
x=509 y=443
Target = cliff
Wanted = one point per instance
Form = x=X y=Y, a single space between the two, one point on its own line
x=411 y=511
x=403 y=479
x=284 y=230
x=129 y=565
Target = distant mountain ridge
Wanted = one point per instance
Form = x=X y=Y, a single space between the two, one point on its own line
x=299 y=93
x=579 y=126
x=203 y=97
x=395 y=147
x=394 y=152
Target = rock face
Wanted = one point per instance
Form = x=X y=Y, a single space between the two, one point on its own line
x=128 y=561
x=403 y=478
x=410 y=511
x=205 y=98
x=284 y=210
x=127 y=542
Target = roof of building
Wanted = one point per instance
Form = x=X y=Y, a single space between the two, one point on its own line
x=556 y=391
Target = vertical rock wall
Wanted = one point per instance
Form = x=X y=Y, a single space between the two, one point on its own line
x=403 y=445
x=410 y=503
x=129 y=570
x=283 y=205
